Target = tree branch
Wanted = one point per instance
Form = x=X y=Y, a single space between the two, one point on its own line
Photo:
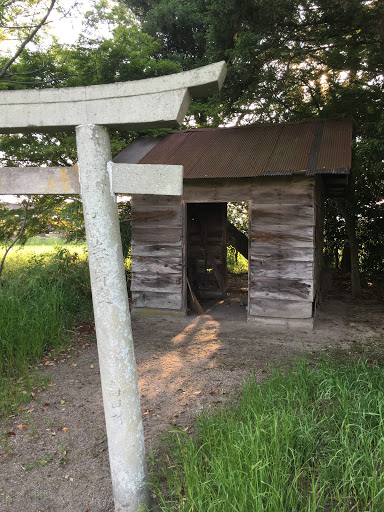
x=28 y=72
x=27 y=40
x=52 y=80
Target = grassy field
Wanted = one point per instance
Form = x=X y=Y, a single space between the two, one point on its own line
x=308 y=440
x=42 y=291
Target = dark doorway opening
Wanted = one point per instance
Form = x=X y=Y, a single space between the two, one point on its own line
x=210 y=286
x=207 y=249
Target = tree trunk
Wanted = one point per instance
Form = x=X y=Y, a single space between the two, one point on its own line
x=17 y=238
x=350 y=225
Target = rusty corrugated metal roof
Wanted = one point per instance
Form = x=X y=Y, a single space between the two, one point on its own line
x=305 y=147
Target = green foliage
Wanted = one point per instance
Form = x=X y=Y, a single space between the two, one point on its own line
x=287 y=60
x=40 y=214
x=237 y=214
x=35 y=215
x=365 y=201
x=308 y=439
x=17 y=18
x=290 y=60
x=236 y=263
x=41 y=295
x=127 y=54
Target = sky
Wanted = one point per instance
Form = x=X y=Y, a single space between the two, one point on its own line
x=68 y=29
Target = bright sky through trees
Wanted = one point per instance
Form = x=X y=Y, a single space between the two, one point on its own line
x=67 y=29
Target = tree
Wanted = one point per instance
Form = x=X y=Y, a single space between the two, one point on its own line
x=35 y=215
x=125 y=54
x=290 y=60
x=287 y=60
x=20 y=23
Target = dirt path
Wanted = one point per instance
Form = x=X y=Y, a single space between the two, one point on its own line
x=57 y=460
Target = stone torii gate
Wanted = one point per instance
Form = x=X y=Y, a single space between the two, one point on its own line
x=155 y=102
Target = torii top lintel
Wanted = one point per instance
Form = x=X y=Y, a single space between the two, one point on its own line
x=149 y=103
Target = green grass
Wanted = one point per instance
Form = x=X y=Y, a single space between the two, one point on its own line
x=41 y=295
x=52 y=241
x=236 y=263
x=308 y=440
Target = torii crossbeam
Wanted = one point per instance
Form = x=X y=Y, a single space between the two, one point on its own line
x=147 y=103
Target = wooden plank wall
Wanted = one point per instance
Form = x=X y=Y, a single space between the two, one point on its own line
x=224 y=191
x=281 y=281
x=157 y=253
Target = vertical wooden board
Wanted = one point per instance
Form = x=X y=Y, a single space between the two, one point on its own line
x=282 y=252
x=318 y=239
x=157 y=266
x=206 y=246
x=184 y=292
x=251 y=205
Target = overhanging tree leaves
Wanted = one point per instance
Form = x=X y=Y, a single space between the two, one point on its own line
x=38 y=214
x=290 y=60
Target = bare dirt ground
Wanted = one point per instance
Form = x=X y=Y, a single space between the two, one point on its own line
x=53 y=454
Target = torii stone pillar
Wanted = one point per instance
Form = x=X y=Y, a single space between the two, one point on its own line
x=160 y=101
x=112 y=319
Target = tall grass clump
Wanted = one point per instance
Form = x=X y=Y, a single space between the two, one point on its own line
x=40 y=296
x=307 y=440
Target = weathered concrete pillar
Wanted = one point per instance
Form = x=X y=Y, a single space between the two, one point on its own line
x=113 y=324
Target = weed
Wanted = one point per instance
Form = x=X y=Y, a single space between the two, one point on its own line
x=5 y=444
x=63 y=454
x=38 y=463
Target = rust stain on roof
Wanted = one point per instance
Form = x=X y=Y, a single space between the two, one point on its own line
x=305 y=147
